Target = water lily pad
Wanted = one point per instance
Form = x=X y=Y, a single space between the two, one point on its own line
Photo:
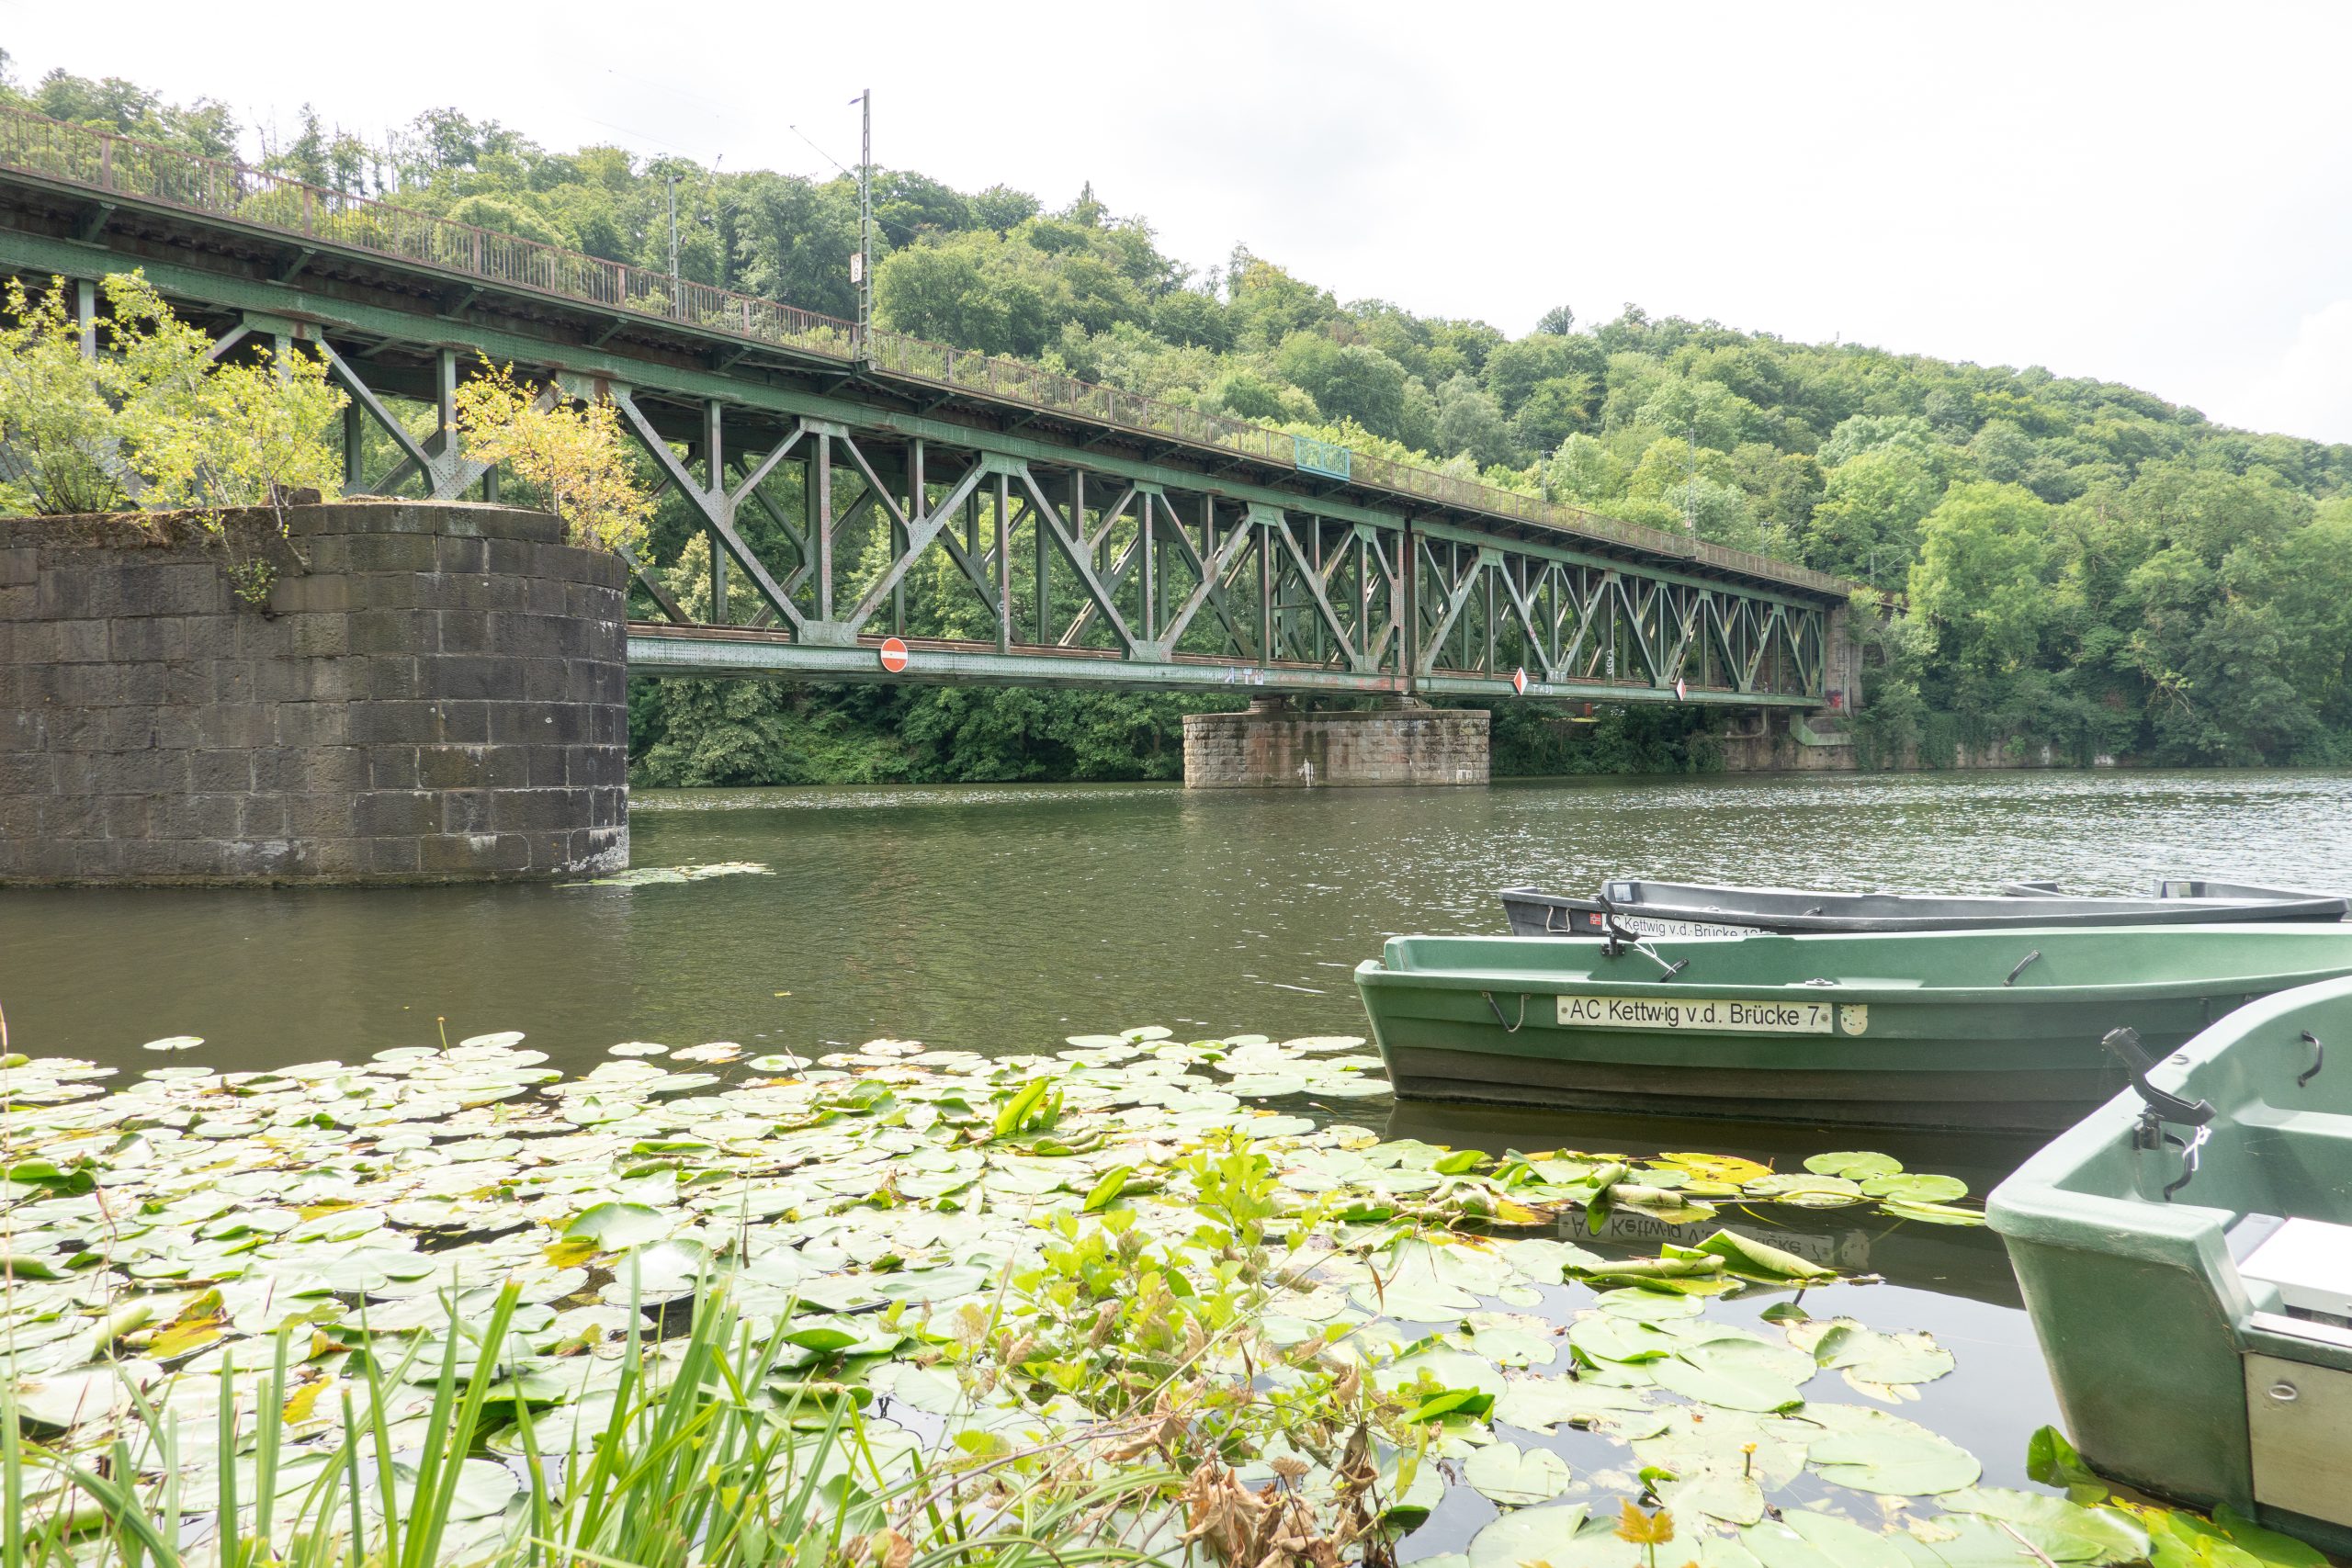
x=1729 y=1169
x=1736 y=1374
x=1515 y=1347
x=1529 y=1535
x=1916 y=1188
x=1793 y=1186
x=1802 y=1539
x=2060 y=1530
x=1882 y=1453
x=1647 y=1306
x=1515 y=1476
x=90 y=1395
x=1854 y=1163
x=613 y=1226
x=1868 y=1355
x=1754 y=1259
x=1448 y=1368
x=174 y=1042
x=1538 y=1405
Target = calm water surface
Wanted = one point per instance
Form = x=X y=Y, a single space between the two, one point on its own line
x=1004 y=918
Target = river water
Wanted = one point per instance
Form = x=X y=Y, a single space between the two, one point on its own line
x=1004 y=918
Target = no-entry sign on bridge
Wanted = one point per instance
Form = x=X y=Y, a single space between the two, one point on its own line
x=894 y=654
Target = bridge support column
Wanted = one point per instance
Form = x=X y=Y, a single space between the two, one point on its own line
x=1274 y=745
x=430 y=693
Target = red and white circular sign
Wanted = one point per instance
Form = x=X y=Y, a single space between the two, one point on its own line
x=894 y=654
x=1518 y=681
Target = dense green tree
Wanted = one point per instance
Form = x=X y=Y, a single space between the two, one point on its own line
x=1470 y=420
x=1982 y=578
x=1865 y=525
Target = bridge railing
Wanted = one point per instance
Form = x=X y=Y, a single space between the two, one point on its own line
x=168 y=176
x=919 y=360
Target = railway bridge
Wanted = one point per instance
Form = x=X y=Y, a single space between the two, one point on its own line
x=1068 y=534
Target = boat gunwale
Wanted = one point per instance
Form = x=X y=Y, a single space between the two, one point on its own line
x=2038 y=1189
x=1535 y=982
x=1980 y=911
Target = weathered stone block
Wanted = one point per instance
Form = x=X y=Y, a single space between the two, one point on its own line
x=392 y=767
x=1273 y=745
x=436 y=692
x=226 y=771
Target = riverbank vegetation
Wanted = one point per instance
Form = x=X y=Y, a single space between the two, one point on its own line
x=2077 y=564
x=894 y=1306
x=136 y=410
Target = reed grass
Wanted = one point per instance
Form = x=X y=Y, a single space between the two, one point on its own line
x=700 y=1463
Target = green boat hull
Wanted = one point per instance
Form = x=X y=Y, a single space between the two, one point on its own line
x=2221 y=1389
x=1902 y=1030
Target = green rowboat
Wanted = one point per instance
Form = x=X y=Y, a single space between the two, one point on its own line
x=2186 y=1253
x=1986 y=1029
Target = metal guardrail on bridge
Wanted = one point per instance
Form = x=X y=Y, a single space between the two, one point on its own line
x=111 y=164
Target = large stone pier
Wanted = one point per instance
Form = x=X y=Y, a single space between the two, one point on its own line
x=431 y=693
x=1272 y=744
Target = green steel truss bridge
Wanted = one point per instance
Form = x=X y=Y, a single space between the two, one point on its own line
x=1075 y=534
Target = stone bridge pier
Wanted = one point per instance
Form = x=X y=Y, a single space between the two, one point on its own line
x=431 y=693
x=1273 y=744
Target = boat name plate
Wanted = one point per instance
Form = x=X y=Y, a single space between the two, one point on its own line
x=1653 y=925
x=1713 y=1015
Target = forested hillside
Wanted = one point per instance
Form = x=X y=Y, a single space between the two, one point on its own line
x=2080 y=563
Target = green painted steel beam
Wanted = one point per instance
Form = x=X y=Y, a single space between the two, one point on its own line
x=1543 y=550
x=21 y=251
x=1495 y=692
x=653 y=651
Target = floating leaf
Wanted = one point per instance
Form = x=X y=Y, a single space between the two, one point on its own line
x=1515 y=1347
x=1854 y=1163
x=615 y=1226
x=1728 y=1170
x=1736 y=1374
x=1912 y=1188
x=1800 y=1539
x=2060 y=1530
x=1887 y=1454
x=1754 y=1259
x=1538 y=1405
x=1867 y=1356
x=1806 y=1190
x=1648 y=1305
x=1546 y=1535
x=1515 y=1476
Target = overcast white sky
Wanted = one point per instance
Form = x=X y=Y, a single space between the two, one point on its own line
x=2153 y=194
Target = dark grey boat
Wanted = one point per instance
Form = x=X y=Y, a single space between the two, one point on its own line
x=1682 y=908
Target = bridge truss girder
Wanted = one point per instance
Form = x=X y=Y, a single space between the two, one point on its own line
x=1150 y=584
x=1063 y=564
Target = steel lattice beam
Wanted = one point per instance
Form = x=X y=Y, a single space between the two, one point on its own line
x=1044 y=560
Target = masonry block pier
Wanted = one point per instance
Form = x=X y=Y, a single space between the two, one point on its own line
x=432 y=692
x=1272 y=744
